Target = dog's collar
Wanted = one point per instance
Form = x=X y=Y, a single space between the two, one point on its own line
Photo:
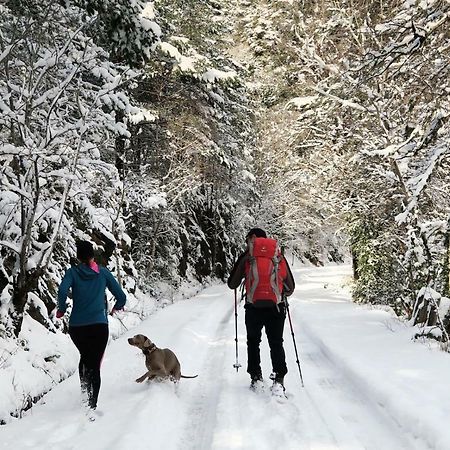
x=149 y=350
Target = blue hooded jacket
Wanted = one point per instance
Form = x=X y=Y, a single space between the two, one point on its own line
x=88 y=294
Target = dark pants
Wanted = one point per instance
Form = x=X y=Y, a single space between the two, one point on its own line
x=90 y=341
x=272 y=319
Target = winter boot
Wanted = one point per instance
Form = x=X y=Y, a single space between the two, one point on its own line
x=256 y=383
x=278 y=389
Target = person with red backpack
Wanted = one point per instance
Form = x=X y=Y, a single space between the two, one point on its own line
x=268 y=280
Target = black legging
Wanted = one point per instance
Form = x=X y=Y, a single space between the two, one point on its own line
x=90 y=341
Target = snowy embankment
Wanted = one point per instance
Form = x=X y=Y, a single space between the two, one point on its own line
x=367 y=385
x=375 y=352
x=40 y=359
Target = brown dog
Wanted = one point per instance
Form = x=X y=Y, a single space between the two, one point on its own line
x=160 y=362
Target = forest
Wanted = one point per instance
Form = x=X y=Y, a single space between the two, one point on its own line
x=162 y=131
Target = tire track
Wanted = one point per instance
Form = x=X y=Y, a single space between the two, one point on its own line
x=337 y=391
x=205 y=398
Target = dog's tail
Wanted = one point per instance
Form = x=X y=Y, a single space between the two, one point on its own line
x=186 y=376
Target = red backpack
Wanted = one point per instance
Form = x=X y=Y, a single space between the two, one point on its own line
x=265 y=270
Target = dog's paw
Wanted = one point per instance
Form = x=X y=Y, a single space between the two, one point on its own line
x=140 y=379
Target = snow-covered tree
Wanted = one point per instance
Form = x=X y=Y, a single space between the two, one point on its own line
x=191 y=143
x=126 y=28
x=296 y=147
x=59 y=93
x=403 y=80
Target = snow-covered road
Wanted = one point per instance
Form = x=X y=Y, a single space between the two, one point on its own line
x=217 y=410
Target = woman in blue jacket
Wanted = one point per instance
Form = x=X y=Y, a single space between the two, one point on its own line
x=88 y=322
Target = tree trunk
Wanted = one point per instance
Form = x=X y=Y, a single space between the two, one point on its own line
x=446 y=265
x=23 y=285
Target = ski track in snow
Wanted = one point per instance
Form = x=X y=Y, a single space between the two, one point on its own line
x=351 y=419
x=202 y=413
x=217 y=410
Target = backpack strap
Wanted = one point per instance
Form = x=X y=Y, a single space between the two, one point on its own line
x=253 y=279
x=252 y=275
x=274 y=277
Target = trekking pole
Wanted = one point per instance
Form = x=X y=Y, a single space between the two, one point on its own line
x=236 y=365
x=293 y=338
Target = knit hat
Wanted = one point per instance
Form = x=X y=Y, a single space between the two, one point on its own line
x=258 y=232
x=85 y=251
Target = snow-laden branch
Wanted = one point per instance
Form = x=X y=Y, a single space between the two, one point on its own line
x=420 y=183
x=343 y=102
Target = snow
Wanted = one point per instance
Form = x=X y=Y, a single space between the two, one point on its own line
x=343 y=102
x=155 y=201
x=216 y=97
x=184 y=63
x=300 y=102
x=24 y=370
x=213 y=75
x=149 y=12
x=419 y=183
x=246 y=175
x=170 y=50
x=367 y=384
x=149 y=25
x=142 y=115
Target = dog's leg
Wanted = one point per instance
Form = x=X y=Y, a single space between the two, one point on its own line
x=141 y=379
x=176 y=388
x=176 y=373
x=152 y=374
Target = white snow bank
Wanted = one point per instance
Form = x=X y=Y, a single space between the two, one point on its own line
x=43 y=358
x=41 y=361
x=375 y=351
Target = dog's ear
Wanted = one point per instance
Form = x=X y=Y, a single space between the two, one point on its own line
x=147 y=343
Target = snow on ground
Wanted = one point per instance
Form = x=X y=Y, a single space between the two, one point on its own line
x=367 y=385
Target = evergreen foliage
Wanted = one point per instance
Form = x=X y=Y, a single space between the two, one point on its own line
x=93 y=149
x=193 y=149
x=162 y=130
x=59 y=94
x=354 y=98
